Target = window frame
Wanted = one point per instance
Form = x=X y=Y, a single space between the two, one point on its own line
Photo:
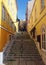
x=35 y=14
x=42 y=6
x=3 y=13
x=43 y=38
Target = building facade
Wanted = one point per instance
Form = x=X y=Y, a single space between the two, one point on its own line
x=28 y=10
x=8 y=16
x=36 y=26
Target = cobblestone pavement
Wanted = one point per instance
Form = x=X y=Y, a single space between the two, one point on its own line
x=23 y=51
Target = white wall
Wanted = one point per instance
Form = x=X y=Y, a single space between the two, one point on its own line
x=29 y=6
x=1 y=58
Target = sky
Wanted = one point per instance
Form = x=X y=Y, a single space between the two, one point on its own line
x=22 y=4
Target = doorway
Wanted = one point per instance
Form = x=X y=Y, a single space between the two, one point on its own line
x=43 y=37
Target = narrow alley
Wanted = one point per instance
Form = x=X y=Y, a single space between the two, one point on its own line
x=23 y=51
x=22 y=32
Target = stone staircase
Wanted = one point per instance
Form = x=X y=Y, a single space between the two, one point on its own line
x=22 y=51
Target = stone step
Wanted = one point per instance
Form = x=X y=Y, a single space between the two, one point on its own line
x=23 y=49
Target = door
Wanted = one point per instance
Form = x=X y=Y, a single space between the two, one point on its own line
x=43 y=38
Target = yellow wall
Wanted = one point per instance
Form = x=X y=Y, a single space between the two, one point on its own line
x=3 y=38
x=39 y=25
x=37 y=22
x=5 y=27
x=36 y=16
x=12 y=9
x=0 y=38
x=16 y=24
x=0 y=10
x=0 y=22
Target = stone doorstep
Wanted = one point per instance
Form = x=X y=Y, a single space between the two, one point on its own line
x=42 y=53
x=43 y=56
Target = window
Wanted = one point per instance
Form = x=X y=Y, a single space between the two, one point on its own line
x=6 y=17
x=39 y=40
x=43 y=39
x=35 y=14
x=42 y=4
x=3 y=13
x=9 y=2
x=32 y=18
